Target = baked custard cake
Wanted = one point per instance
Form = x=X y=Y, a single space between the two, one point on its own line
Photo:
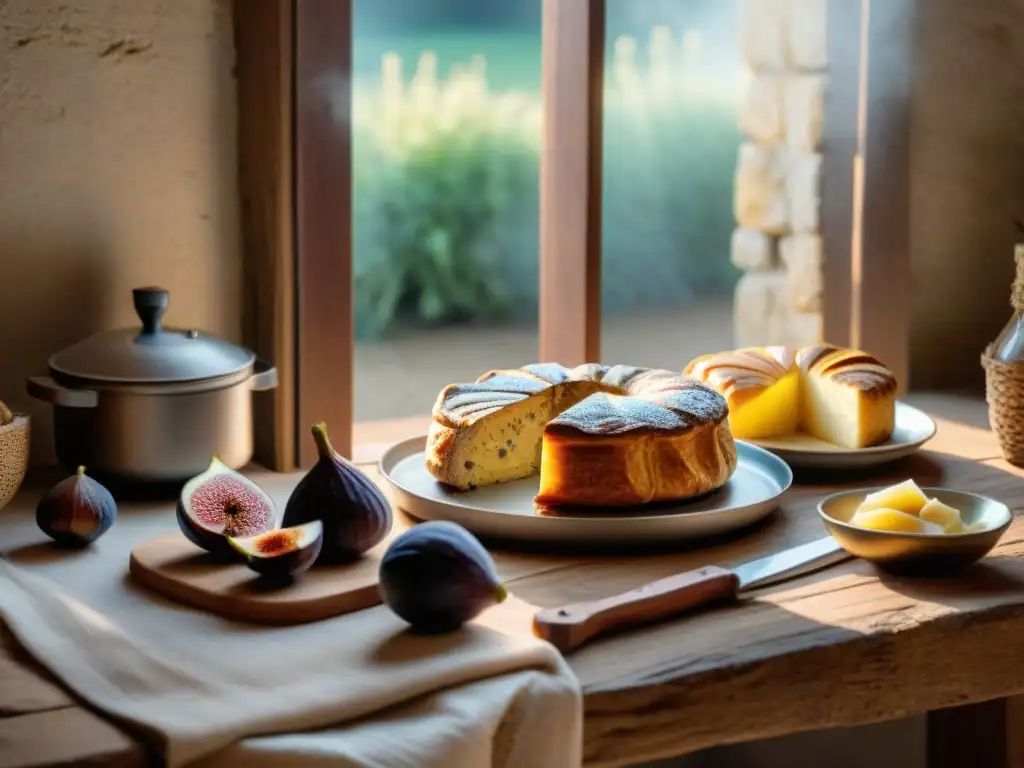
x=840 y=395
x=598 y=435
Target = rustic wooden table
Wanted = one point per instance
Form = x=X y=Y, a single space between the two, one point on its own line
x=842 y=647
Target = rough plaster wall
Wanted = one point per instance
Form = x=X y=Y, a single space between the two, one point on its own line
x=967 y=183
x=117 y=169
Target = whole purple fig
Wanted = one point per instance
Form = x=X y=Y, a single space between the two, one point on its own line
x=437 y=576
x=355 y=513
x=76 y=511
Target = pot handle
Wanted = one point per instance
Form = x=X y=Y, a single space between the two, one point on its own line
x=264 y=376
x=46 y=389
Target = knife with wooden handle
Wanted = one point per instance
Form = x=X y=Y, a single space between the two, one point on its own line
x=571 y=626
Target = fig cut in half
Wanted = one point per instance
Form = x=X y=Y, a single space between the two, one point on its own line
x=221 y=503
x=284 y=552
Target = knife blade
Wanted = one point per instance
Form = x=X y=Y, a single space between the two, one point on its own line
x=571 y=626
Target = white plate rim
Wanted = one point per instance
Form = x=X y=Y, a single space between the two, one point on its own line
x=872 y=451
x=586 y=529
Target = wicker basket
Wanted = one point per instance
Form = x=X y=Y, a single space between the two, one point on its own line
x=14 y=446
x=1004 y=383
x=1004 y=392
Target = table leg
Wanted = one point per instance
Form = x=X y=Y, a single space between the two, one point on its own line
x=978 y=735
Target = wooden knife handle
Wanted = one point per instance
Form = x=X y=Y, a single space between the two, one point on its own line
x=569 y=627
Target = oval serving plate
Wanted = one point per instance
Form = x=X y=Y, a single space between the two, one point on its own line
x=506 y=510
x=913 y=429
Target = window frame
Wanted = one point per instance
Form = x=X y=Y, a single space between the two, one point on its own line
x=572 y=90
x=294 y=67
x=866 y=170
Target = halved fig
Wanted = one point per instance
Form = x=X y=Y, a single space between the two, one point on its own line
x=221 y=502
x=284 y=552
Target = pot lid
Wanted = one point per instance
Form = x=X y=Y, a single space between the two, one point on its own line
x=152 y=353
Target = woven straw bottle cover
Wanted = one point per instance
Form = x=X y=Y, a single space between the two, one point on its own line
x=1004 y=378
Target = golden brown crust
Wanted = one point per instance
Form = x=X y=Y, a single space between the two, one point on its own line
x=744 y=373
x=852 y=367
x=441 y=447
x=634 y=424
x=459 y=405
x=643 y=403
x=635 y=398
x=630 y=469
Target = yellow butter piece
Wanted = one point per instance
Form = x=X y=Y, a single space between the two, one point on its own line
x=942 y=514
x=905 y=497
x=893 y=520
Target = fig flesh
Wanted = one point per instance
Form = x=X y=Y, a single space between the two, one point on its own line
x=221 y=503
x=76 y=511
x=355 y=513
x=437 y=576
x=283 y=552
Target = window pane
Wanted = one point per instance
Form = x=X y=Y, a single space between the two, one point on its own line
x=445 y=153
x=673 y=82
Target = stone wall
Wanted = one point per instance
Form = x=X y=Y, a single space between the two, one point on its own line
x=777 y=241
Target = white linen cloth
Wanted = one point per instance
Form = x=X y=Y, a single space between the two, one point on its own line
x=355 y=690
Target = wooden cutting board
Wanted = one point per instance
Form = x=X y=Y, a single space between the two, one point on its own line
x=181 y=571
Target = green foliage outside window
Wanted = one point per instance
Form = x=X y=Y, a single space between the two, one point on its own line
x=446 y=196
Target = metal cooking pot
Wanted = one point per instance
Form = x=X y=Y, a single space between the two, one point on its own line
x=152 y=404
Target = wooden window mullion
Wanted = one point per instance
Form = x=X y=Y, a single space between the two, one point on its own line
x=323 y=151
x=866 y=178
x=882 y=295
x=264 y=49
x=573 y=36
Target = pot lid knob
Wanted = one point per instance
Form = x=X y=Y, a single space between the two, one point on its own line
x=150 y=305
x=154 y=354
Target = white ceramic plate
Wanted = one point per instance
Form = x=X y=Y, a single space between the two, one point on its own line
x=913 y=429
x=506 y=510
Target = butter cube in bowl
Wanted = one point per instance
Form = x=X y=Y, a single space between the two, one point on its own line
x=911 y=530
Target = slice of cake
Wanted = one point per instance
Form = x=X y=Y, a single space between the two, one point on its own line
x=840 y=395
x=762 y=387
x=490 y=431
x=597 y=435
x=847 y=397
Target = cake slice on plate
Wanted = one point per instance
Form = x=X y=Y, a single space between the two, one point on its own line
x=840 y=395
x=597 y=435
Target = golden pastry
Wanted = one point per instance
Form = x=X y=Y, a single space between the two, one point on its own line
x=598 y=435
x=843 y=396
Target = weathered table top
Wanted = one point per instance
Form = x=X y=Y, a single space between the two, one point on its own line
x=837 y=648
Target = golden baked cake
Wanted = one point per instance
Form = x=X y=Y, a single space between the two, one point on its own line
x=840 y=395
x=598 y=435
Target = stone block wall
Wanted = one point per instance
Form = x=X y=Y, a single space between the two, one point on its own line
x=777 y=242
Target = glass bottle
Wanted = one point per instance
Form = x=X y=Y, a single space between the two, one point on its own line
x=1009 y=344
